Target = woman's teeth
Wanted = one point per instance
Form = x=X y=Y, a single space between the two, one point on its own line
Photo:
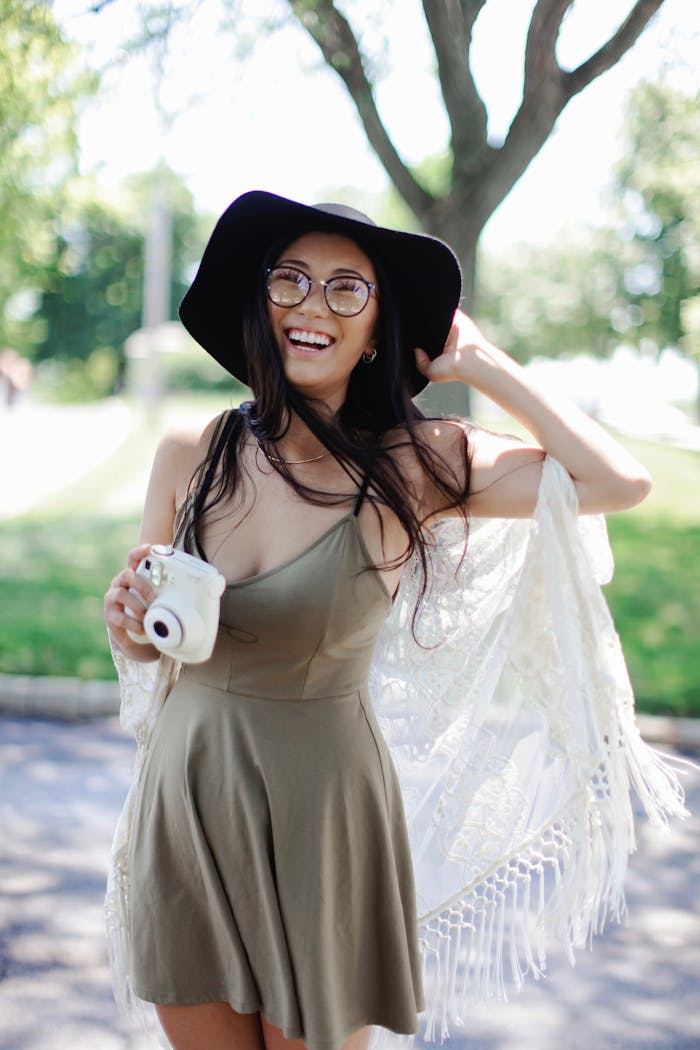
x=308 y=339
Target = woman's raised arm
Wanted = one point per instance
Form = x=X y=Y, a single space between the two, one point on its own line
x=505 y=474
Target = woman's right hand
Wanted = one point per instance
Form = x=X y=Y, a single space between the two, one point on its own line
x=118 y=599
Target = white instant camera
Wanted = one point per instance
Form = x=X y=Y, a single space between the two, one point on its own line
x=183 y=618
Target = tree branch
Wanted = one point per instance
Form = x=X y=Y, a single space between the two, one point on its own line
x=540 y=49
x=334 y=36
x=547 y=90
x=613 y=50
x=450 y=23
x=544 y=98
x=98 y=6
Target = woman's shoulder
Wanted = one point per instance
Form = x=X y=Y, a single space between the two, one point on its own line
x=443 y=436
x=427 y=455
x=190 y=439
x=181 y=450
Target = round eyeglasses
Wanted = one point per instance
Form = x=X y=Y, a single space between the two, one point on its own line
x=345 y=295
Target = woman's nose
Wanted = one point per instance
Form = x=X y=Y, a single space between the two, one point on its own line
x=315 y=302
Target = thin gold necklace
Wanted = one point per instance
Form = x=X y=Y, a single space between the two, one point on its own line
x=292 y=462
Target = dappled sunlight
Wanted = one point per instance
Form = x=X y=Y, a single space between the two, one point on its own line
x=61 y=789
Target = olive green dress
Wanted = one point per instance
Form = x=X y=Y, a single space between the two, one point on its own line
x=269 y=862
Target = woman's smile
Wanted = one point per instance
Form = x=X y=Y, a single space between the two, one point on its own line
x=309 y=341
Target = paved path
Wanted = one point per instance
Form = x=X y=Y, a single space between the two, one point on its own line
x=61 y=786
x=45 y=448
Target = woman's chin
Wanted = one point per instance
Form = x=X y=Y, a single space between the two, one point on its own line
x=331 y=390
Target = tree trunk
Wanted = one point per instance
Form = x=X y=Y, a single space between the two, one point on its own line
x=453 y=399
x=482 y=176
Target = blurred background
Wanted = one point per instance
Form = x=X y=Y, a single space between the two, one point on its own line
x=554 y=145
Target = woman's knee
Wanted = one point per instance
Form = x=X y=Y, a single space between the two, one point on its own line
x=359 y=1040
x=216 y=1026
x=275 y=1039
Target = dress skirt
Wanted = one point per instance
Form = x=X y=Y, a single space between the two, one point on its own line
x=269 y=859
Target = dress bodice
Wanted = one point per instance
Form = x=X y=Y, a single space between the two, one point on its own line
x=305 y=629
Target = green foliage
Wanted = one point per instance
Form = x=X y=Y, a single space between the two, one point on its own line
x=73 y=380
x=41 y=85
x=635 y=284
x=93 y=281
x=659 y=183
x=553 y=301
x=93 y=284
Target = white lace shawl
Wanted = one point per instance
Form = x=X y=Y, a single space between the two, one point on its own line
x=511 y=724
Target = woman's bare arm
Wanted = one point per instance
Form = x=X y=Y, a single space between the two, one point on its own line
x=505 y=473
x=175 y=461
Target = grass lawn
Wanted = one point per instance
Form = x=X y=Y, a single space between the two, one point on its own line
x=655 y=601
x=53 y=576
x=655 y=592
x=55 y=566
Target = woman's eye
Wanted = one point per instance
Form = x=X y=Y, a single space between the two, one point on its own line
x=291 y=275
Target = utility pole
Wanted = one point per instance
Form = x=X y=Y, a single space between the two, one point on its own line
x=157 y=264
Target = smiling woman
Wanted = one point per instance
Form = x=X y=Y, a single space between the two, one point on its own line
x=295 y=850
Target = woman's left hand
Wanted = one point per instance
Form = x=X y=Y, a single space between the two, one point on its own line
x=461 y=349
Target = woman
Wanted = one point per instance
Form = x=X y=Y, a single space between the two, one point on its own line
x=272 y=900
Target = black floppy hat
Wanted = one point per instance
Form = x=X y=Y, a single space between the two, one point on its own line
x=424 y=273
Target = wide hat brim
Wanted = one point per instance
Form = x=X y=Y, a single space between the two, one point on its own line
x=423 y=270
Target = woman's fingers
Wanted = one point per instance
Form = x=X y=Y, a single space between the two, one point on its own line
x=124 y=608
x=129 y=595
x=137 y=554
x=423 y=362
x=468 y=333
x=441 y=369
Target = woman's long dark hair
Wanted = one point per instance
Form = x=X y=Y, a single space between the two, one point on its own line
x=354 y=437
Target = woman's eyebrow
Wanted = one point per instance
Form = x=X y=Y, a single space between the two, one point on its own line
x=303 y=265
x=293 y=262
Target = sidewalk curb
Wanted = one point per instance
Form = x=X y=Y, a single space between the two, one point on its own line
x=67 y=699
x=683 y=734
x=74 y=699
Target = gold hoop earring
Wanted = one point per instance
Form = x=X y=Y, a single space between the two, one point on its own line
x=369 y=358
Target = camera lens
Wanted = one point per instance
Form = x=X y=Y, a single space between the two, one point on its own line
x=163 y=627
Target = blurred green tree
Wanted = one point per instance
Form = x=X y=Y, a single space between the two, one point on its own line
x=559 y=299
x=658 y=181
x=636 y=282
x=41 y=86
x=93 y=281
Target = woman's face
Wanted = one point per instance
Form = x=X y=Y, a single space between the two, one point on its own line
x=320 y=348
